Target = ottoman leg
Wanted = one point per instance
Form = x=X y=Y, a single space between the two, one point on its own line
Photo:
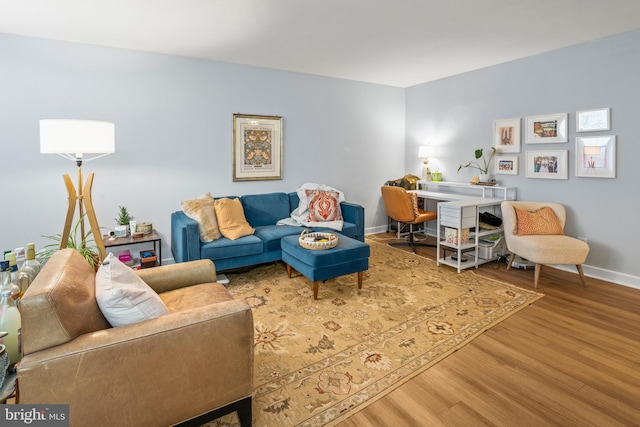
x=360 y=276
x=316 y=285
x=289 y=271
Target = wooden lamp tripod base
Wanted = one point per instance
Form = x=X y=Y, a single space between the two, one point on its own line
x=83 y=199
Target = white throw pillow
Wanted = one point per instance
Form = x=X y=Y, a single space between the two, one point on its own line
x=123 y=297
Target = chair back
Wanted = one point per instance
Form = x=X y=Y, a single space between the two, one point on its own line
x=397 y=203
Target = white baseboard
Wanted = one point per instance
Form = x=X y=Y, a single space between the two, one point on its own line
x=603 y=274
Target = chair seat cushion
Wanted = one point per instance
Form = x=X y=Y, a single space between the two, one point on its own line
x=195 y=296
x=550 y=249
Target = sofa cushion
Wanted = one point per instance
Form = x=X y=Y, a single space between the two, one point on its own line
x=60 y=304
x=203 y=211
x=540 y=222
x=123 y=297
x=231 y=220
x=265 y=209
x=271 y=235
x=227 y=248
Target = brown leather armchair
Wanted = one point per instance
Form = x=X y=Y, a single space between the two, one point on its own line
x=399 y=207
x=190 y=366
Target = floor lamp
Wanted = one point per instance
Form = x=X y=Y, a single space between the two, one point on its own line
x=72 y=139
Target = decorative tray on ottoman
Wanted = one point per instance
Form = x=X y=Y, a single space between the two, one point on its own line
x=317 y=241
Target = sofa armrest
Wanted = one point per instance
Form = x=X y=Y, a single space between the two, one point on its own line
x=157 y=372
x=185 y=238
x=174 y=276
x=354 y=213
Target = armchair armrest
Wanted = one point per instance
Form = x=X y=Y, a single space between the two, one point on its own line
x=354 y=213
x=173 y=276
x=158 y=372
x=185 y=238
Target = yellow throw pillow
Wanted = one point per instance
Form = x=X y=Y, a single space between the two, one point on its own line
x=231 y=220
x=542 y=221
x=203 y=211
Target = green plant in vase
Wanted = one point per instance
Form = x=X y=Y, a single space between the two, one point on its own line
x=482 y=168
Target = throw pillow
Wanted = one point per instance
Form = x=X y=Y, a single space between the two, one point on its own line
x=323 y=206
x=123 y=297
x=202 y=210
x=542 y=221
x=231 y=220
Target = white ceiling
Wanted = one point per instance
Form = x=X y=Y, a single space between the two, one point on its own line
x=393 y=42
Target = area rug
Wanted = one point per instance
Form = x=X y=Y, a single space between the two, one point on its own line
x=319 y=361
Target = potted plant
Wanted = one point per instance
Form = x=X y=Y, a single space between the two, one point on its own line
x=83 y=244
x=482 y=168
x=124 y=218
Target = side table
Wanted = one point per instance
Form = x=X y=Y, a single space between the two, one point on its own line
x=152 y=237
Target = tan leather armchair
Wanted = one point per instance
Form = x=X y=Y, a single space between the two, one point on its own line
x=399 y=207
x=542 y=249
x=190 y=366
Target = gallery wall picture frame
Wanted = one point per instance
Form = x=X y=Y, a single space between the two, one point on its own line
x=547 y=129
x=596 y=156
x=548 y=164
x=507 y=165
x=595 y=120
x=506 y=135
x=257 y=147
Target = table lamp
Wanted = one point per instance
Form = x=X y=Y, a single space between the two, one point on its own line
x=73 y=139
x=423 y=153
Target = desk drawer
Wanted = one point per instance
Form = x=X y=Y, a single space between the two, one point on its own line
x=450 y=216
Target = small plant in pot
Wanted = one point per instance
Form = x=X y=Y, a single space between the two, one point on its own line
x=124 y=218
x=482 y=168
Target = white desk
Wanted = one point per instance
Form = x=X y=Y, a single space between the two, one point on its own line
x=460 y=210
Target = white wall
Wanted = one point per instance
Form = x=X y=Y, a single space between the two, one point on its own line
x=456 y=114
x=173 y=120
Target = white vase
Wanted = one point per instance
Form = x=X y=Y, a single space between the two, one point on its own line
x=485 y=177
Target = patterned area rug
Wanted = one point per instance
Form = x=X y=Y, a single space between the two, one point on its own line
x=319 y=361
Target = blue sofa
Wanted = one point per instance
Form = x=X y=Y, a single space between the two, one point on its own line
x=262 y=211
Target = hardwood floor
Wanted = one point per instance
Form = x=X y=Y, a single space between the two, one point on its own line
x=570 y=359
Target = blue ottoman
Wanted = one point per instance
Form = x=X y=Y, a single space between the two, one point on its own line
x=349 y=256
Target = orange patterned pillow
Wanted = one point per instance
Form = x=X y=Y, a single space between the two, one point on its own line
x=542 y=221
x=323 y=206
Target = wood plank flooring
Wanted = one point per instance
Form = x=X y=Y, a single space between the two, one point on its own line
x=570 y=359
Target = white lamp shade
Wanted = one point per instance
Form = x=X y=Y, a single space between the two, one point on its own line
x=77 y=137
x=423 y=151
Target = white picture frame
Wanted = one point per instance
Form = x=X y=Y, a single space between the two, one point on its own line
x=548 y=164
x=506 y=135
x=596 y=156
x=506 y=165
x=595 y=120
x=547 y=129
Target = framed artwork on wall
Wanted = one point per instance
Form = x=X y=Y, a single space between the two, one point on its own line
x=547 y=129
x=257 y=147
x=596 y=156
x=593 y=120
x=548 y=164
x=507 y=165
x=506 y=135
